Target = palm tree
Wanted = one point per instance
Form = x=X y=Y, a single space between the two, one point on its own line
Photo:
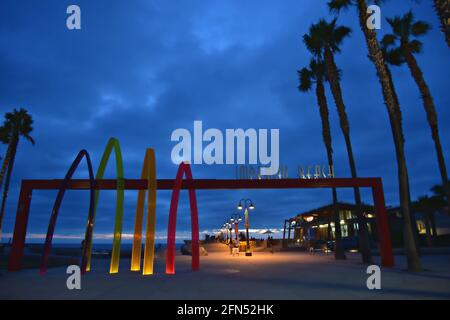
x=388 y=90
x=323 y=41
x=317 y=74
x=443 y=11
x=4 y=138
x=18 y=123
x=404 y=29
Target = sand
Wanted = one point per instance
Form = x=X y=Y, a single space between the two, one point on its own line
x=287 y=275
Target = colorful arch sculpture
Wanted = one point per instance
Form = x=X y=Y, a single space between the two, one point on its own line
x=113 y=143
x=149 y=173
x=183 y=169
x=57 y=204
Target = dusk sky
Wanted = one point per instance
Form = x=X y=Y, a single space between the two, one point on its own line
x=137 y=70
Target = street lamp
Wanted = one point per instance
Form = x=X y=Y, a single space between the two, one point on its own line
x=230 y=229
x=246 y=204
x=225 y=226
x=235 y=219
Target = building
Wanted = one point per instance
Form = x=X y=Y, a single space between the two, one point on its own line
x=318 y=225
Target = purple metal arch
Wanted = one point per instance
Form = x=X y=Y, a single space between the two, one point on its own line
x=57 y=204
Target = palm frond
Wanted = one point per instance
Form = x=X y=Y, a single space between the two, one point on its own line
x=305 y=80
x=340 y=33
x=318 y=69
x=335 y=6
x=18 y=123
x=415 y=46
x=394 y=56
x=396 y=25
x=388 y=40
x=420 y=28
x=29 y=138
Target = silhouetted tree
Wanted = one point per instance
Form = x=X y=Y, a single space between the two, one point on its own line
x=388 y=90
x=401 y=42
x=317 y=74
x=323 y=41
x=18 y=123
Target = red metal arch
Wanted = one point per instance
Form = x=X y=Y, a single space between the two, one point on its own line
x=185 y=169
x=62 y=189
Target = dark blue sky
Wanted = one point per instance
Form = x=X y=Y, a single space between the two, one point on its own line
x=140 y=69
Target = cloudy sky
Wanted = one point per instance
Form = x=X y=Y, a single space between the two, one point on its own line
x=137 y=70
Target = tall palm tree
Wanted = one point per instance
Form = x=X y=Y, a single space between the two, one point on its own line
x=323 y=41
x=395 y=57
x=317 y=74
x=18 y=123
x=388 y=90
x=4 y=138
x=404 y=30
x=442 y=8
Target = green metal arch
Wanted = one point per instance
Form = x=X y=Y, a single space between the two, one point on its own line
x=113 y=143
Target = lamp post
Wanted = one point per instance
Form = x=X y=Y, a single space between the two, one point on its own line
x=225 y=226
x=230 y=228
x=246 y=204
x=235 y=219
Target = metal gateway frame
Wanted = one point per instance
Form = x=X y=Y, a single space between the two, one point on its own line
x=28 y=186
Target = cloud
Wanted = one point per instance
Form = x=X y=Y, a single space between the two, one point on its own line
x=138 y=71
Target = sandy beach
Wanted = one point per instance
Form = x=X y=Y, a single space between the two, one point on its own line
x=283 y=275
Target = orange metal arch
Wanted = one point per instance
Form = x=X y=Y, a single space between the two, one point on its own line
x=149 y=173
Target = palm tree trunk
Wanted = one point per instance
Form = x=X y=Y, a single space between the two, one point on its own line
x=5 y=163
x=14 y=142
x=430 y=110
x=339 y=252
x=333 y=79
x=376 y=56
x=443 y=12
x=397 y=109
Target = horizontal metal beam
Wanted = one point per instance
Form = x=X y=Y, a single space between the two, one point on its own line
x=207 y=184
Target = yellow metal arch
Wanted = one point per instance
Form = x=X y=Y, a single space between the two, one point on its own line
x=149 y=173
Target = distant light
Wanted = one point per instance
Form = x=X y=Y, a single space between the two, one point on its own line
x=251 y=207
x=309 y=219
x=239 y=207
x=342 y=221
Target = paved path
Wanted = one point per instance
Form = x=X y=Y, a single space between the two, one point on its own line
x=290 y=275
